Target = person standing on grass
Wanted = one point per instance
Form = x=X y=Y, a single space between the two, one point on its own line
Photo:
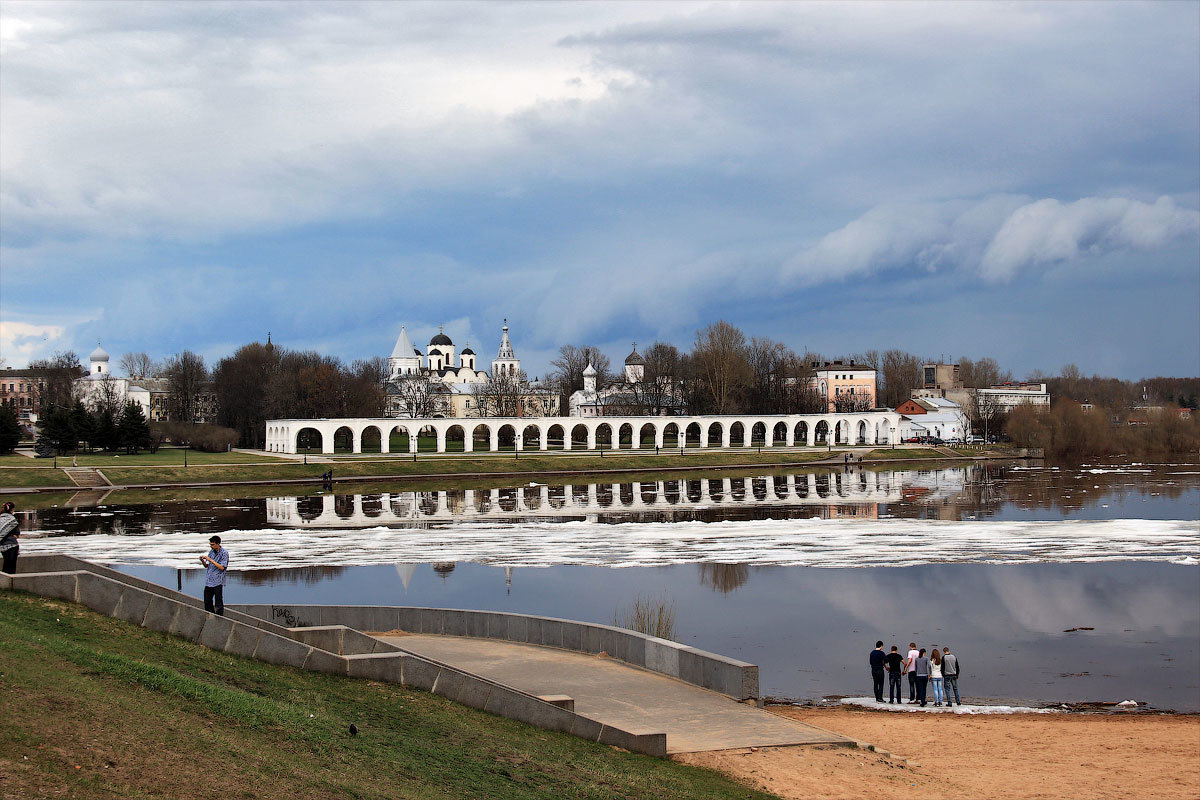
x=921 y=668
x=935 y=675
x=895 y=668
x=950 y=675
x=10 y=535
x=216 y=562
x=878 y=659
x=910 y=663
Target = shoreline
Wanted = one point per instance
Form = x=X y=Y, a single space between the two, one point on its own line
x=833 y=460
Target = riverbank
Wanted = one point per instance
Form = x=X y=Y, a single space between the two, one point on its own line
x=275 y=732
x=243 y=471
x=996 y=756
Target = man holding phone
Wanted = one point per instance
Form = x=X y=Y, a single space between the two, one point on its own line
x=216 y=562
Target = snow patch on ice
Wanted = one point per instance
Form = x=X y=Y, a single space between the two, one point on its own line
x=798 y=542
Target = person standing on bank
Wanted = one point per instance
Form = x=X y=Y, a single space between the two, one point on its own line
x=935 y=676
x=910 y=666
x=950 y=675
x=878 y=659
x=216 y=562
x=10 y=534
x=921 y=668
x=895 y=667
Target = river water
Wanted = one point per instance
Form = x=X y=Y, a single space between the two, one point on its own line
x=1052 y=584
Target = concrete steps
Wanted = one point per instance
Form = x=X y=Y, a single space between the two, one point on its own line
x=87 y=477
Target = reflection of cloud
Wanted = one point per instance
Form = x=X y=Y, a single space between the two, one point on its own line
x=1050 y=601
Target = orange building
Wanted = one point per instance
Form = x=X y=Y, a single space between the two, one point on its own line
x=844 y=385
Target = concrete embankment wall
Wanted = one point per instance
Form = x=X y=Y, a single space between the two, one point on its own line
x=728 y=676
x=334 y=649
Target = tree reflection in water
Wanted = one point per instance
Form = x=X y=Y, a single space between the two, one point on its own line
x=724 y=578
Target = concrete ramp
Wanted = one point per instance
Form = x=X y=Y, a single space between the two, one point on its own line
x=618 y=694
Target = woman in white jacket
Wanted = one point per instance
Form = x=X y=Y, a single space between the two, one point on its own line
x=935 y=676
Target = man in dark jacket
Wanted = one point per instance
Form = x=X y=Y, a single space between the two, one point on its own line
x=895 y=668
x=9 y=538
x=950 y=674
x=878 y=659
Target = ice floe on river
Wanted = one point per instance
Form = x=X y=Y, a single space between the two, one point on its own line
x=795 y=542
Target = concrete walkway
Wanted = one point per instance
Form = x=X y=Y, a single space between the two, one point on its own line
x=618 y=694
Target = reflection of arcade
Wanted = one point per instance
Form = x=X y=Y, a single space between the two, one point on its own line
x=835 y=495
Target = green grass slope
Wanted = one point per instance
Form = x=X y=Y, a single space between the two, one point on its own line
x=97 y=708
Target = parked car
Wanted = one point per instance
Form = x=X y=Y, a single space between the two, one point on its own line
x=974 y=439
x=912 y=440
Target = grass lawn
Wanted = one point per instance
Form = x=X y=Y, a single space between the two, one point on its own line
x=33 y=476
x=115 y=711
x=905 y=454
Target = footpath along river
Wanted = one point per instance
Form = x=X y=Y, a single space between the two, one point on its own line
x=1051 y=583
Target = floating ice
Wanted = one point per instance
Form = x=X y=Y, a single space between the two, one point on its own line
x=799 y=542
x=930 y=708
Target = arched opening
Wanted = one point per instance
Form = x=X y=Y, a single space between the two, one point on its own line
x=780 y=485
x=309 y=439
x=483 y=501
x=714 y=435
x=604 y=495
x=532 y=496
x=428 y=503
x=716 y=490
x=693 y=491
x=372 y=505
x=671 y=435
x=508 y=500
x=372 y=440
x=671 y=492
x=692 y=435
x=343 y=440
x=604 y=436
x=309 y=508
x=481 y=438
x=531 y=437
x=649 y=492
x=507 y=435
x=862 y=432
x=579 y=437
x=456 y=501
x=821 y=432
x=737 y=435
x=737 y=489
x=758 y=434
x=800 y=436
x=646 y=435
x=398 y=440
x=626 y=492
x=802 y=487
x=580 y=495
x=343 y=506
x=822 y=485
x=401 y=505
x=625 y=436
x=427 y=440
x=779 y=434
x=554 y=437
x=456 y=439
x=556 y=496
x=758 y=486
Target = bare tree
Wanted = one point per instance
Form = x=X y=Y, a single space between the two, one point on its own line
x=57 y=376
x=138 y=366
x=770 y=362
x=901 y=374
x=106 y=396
x=985 y=411
x=186 y=375
x=721 y=367
x=851 y=402
x=982 y=373
x=571 y=363
x=502 y=395
x=418 y=397
x=658 y=390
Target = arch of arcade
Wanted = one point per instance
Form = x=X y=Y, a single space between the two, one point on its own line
x=581 y=434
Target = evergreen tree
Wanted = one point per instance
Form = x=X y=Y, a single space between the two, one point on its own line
x=55 y=434
x=10 y=427
x=81 y=423
x=105 y=430
x=133 y=430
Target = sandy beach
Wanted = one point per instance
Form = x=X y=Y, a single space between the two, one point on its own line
x=994 y=756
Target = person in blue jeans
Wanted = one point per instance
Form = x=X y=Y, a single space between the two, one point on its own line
x=895 y=670
x=216 y=562
x=950 y=675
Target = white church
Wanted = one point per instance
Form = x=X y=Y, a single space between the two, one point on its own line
x=455 y=381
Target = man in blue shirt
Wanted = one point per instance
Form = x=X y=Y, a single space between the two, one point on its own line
x=216 y=562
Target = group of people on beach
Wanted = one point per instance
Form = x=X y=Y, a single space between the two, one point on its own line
x=940 y=668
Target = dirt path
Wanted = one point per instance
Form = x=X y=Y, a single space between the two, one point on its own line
x=1017 y=756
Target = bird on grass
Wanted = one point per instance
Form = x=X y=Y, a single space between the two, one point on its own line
x=353 y=729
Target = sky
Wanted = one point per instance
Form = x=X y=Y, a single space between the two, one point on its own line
x=1013 y=180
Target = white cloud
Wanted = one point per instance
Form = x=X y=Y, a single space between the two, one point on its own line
x=996 y=237
x=1048 y=232
x=22 y=341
